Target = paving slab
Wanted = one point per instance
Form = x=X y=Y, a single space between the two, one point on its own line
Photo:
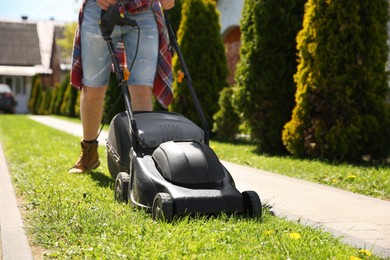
x=358 y=220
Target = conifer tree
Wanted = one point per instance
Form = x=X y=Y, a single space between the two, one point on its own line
x=35 y=93
x=265 y=84
x=340 y=112
x=226 y=120
x=59 y=99
x=175 y=15
x=69 y=101
x=202 y=48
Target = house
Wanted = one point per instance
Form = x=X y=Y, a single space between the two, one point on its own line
x=230 y=16
x=28 y=48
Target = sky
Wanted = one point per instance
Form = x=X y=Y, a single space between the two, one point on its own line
x=60 y=10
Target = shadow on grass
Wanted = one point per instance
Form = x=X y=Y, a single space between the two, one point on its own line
x=101 y=179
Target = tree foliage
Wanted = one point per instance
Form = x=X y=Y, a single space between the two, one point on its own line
x=35 y=94
x=265 y=85
x=113 y=102
x=226 y=120
x=201 y=44
x=66 y=43
x=60 y=93
x=340 y=112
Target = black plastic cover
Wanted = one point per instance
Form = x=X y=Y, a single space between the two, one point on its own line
x=154 y=128
x=188 y=163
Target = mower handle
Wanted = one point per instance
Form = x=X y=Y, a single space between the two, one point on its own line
x=114 y=15
x=176 y=47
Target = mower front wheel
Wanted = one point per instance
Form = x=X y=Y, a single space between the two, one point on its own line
x=162 y=208
x=252 y=204
x=122 y=187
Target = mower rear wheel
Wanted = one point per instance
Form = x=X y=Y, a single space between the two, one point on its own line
x=252 y=204
x=162 y=208
x=122 y=187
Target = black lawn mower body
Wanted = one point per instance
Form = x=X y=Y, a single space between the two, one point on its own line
x=161 y=162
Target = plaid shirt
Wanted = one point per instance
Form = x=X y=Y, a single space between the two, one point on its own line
x=162 y=88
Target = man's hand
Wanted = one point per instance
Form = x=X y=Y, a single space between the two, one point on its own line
x=104 y=4
x=167 y=4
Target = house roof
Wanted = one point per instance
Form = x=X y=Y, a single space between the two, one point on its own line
x=26 y=47
x=19 y=44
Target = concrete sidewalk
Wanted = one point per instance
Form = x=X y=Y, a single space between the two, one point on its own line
x=360 y=221
x=14 y=242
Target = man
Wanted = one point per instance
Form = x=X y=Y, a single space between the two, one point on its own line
x=92 y=65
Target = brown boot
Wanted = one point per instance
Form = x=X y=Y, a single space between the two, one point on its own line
x=89 y=158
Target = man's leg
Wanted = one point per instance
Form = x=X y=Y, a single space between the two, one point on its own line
x=141 y=98
x=144 y=67
x=91 y=111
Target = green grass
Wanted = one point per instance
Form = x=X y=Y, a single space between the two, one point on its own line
x=76 y=217
x=370 y=180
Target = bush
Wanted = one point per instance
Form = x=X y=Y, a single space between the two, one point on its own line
x=226 y=120
x=265 y=83
x=45 y=102
x=175 y=15
x=60 y=93
x=69 y=101
x=340 y=112
x=112 y=94
x=53 y=98
x=201 y=44
x=35 y=96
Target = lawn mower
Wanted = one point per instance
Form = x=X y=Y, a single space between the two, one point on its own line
x=161 y=161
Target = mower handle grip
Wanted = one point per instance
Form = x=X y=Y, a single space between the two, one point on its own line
x=114 y=15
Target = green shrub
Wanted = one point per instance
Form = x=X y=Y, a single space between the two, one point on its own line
x=69 y=101
x=226 y=120
x=340 y=112
x=45 y=101
x=77 y=105
x=201 y=44
x=265 y=83
x=59 y=99
x=36 y=91
x=112 y=94
x=53 y=98
x=175 y=15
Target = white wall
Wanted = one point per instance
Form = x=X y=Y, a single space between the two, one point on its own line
x=230 y=13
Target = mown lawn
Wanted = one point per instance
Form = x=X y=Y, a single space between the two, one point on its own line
x=75 y=216
x=370 y=179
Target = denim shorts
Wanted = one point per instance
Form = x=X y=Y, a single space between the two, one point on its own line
x=96 y=59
